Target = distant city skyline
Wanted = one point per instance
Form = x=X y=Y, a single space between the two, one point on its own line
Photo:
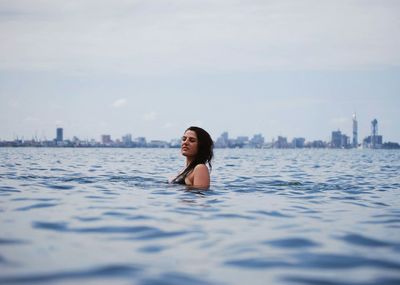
x=154 y=68
x=59 y=135
x=338 y=140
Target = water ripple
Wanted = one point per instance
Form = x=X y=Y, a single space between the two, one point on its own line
x=316 y=261
x=271 y=217
x=12 y=241
x=139 y=232
x=173 y=278
x=276 y=214
x=108 y=271
x=257 y=263
x=362 y=240
x=36 y=206
x=337 y=261
x=339 y=281
x=292 y=243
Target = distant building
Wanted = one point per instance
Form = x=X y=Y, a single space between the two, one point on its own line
x=391 y=145
x=336 y=141
x=345 y=141
x=106 y=139
x=355 y=131
x=175 y=143
x=222 y=141
x=281 y=142
x=339 y=140
x=374 y=140
x=127 y=140
x=60 y=135
x=298 y=142
x=158 y=144
x=316 y=144
x=374 y=134
x=242 y=141
x=257 y=141
x=141 y=142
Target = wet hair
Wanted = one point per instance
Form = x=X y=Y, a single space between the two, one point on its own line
x=204 y=154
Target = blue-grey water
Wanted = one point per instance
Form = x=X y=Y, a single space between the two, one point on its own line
x=107 y=216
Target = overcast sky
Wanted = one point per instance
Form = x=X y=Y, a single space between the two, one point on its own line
x=152 y=68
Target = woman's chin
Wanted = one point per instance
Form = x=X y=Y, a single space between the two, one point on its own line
x=186 y=153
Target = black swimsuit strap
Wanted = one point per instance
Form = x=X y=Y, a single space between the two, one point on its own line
x=180 y=180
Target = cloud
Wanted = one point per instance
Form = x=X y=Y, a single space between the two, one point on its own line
x=150 y=116
x=58 y=123
x=31 y=119
x=168 y=125
x=119 y=103
x=340 y=121
x=153 y=37
x=197 y=123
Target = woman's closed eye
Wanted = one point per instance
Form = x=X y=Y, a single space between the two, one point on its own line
x=192 y=140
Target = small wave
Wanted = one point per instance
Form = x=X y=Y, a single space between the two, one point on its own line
x=3 y=261
x=280 y=183
x=275 y=214
x=387 y=221
x=152 y=249
x=108 y=271
x=12 y=241
x=57 y=169
x=316 y=261
x=56 y=226
x=80 y=179
x=97 y=197
x=339 y=281
x=87 y=219
x=63 y=227
x=60 y=187
x=34 y=199
x=341 y=261
x=292 y=243
x=138 y=217
x=362 y=240
x=158 y=234
x=257 y=263
x=139 y=232
x=173 y=278
x=9 y=189
x=232 y=216
x=115 y=214
x=36 y=206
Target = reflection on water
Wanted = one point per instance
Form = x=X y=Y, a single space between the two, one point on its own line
x=271 y=217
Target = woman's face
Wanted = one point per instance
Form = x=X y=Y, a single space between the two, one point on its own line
x=189 y=145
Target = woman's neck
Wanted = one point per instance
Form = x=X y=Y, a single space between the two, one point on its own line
x=188 y=160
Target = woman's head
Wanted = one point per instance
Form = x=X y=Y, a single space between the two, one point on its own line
x=197 y=145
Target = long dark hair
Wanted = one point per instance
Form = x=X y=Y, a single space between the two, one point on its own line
x=204 y=154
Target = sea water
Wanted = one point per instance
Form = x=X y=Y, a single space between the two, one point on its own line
x=108 y=216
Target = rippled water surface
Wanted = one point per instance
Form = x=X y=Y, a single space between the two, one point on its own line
x=101 y=216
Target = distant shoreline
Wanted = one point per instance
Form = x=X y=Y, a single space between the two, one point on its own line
x=170 y=147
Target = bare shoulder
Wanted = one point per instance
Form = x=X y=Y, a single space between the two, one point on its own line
x=201 y=176
x=201 y=168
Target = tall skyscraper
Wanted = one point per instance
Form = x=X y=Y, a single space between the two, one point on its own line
x=59 y=137
x=336 y=141
x=374 y=132
x=355 y=131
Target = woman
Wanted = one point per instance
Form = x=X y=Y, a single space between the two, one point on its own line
x=197 y=147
